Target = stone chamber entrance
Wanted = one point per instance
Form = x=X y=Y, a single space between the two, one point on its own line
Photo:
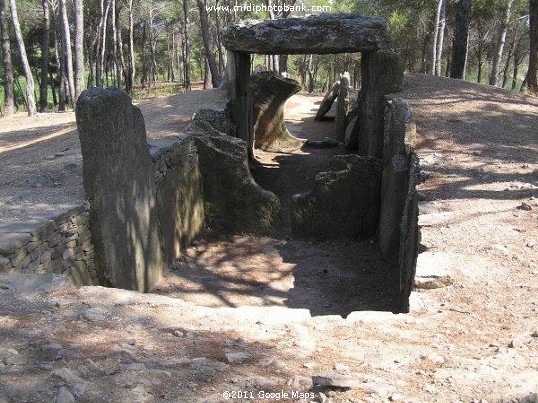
x=311 y=227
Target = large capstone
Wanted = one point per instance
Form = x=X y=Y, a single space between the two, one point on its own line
x=320 y=34
x=119 y=184
x=344 y=202
x=269 y=94
x=234 y=203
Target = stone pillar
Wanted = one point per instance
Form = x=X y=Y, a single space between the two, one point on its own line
x=342 y=108
x=382 y=74
x=398 y=226
x=327 y=101
x=119 y=184
x=269 y=95
x=240 y=97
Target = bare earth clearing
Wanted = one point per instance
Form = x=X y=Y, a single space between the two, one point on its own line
x=261 y=314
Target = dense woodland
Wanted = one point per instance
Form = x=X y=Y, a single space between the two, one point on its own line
x=53 y=49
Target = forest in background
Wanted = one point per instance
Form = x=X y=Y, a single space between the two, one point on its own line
x=53 y=49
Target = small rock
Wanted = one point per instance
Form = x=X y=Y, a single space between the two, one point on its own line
x=64 y=396
x=76 y=384
x=178 y=333
x=236 y=357
x=94 y=315
x=395 y=397
x=433 y=282
x=341 y=368
x=525 y=207
x=337 y=381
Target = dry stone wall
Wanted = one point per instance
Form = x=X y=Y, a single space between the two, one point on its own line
x=58 y=245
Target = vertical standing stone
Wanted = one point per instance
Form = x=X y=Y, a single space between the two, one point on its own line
x=382 y=74
x=342 y=108
x=240 y=98
x=119 y=184
x=398 y=225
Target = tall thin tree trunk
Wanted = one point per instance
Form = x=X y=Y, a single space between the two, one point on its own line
x=499 y=45
x=102 y=51
x=208 y=43
x=186 y=59
x=117 y=68
x=531 y=78
x=9 y=99
x=45 y=44
x=67 y=54
x=439 y=32
x=461 y=35
x=79 y=47
x=132 y=68
x=61 y=72
x=30 y=97
x=153 y=63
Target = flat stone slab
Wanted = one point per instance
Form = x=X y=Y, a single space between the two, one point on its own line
x=11 y=241
x=319 y=34
x=30 y=226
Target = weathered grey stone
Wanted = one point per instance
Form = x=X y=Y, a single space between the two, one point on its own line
x=344 y=201
x=119 y=184
x=399 y=143
x=350 y=138
x=382 y=74
x=398 y=234
x=30 y=226
x=10 y=242
x=342 y=108
x=269 y=95
x=338 y=381
x=5 y=264
x=233 y=200
x=240 y=98
x=320 y=34
x=179 y=197
x=327 y=102
x=219 y=120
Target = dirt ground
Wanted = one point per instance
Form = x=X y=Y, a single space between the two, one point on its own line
x=260 y=315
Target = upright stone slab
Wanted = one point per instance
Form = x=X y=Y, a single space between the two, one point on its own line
x=327 y=102
x=342 y=108
x=398 y=218
x=382 y=74
x=119 y=184
x=344 y=202
x=234 y=202
x=269 y=95
x=240 y=98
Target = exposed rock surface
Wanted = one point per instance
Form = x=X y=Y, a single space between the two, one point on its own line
x=342 y=108
x=269 y=95
x=220 y=120
x=179 y=194
x=320 y=34
x=233 y=200
x=119 y=184
x=344 y=201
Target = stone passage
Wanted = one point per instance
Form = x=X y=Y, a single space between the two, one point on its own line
x=119 y=184
x=269 y=95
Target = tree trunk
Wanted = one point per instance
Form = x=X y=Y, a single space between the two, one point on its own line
x=102 y=51
x=186 y=58
x=67 y=54
x=79 y=47
x=61 y=72
x=439 y=32
x=461 y=35
x=208 y=43
x=499 y=45
x=153 y=63
x=9 y=99
x=30 y=97
x=45 y=43
x=117 y=66
x=131 y=70
x=532 y=79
